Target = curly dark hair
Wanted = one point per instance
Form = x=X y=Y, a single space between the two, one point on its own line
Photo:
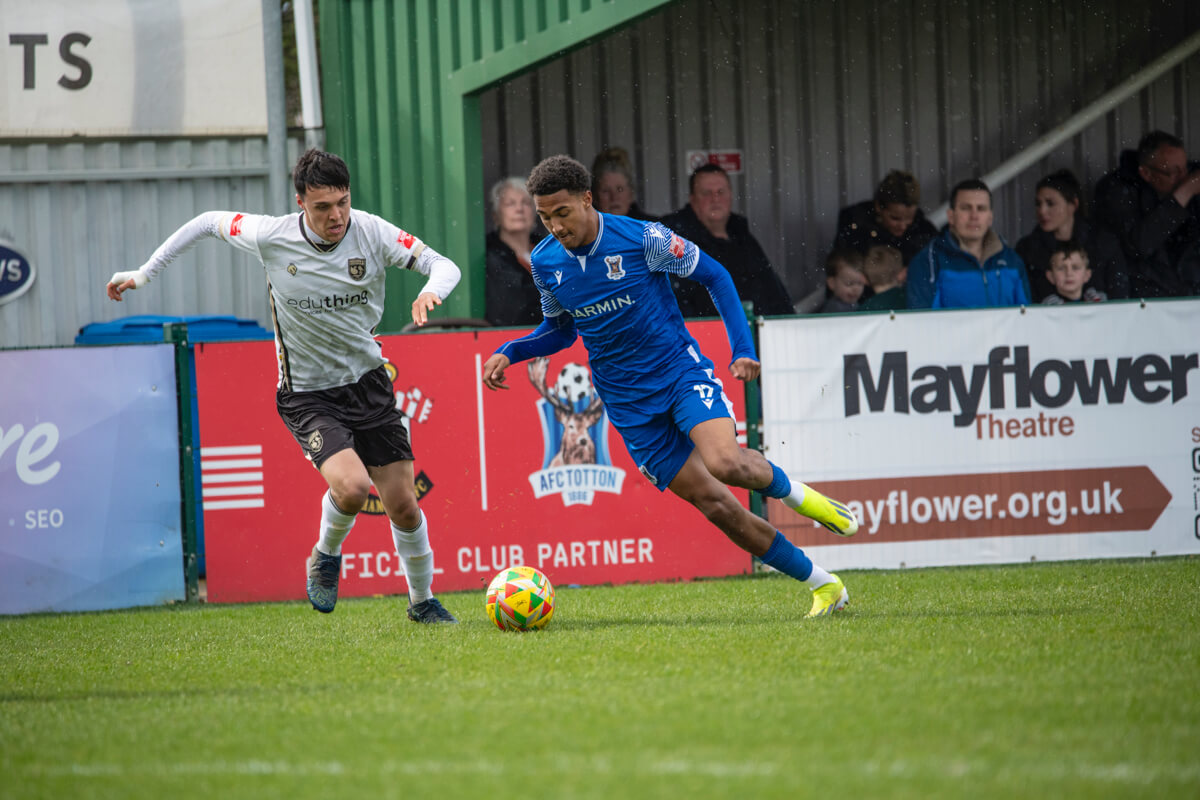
x=556 y=173
x=318 y=168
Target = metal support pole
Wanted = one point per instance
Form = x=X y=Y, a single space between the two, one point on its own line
x=278 y=197
x=310 y=78
x=176 y=334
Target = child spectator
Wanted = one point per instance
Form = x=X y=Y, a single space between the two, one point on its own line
x=845 y=279
x=884 y=267
x=1069 y=274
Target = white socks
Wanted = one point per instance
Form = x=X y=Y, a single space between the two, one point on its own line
x=335 y=527
x=794 y=499
x=417 y=559
x=818 y=578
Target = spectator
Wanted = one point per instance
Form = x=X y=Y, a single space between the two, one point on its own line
x=892 y=218
x=845 y=279
x=885 y=270
x=612 y=185
x=1069 y=274
x=511 y=297
x=1149 y=203
x=1058 y=220
x=708 y=221
x=968 y=265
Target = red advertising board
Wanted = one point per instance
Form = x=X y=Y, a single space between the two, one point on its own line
x=492 y=481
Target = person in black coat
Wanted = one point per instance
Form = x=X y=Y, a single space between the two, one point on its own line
x=708 y=221
x=1058 y=220
x=892 y=218
x=510 y=296
x=1150 y=202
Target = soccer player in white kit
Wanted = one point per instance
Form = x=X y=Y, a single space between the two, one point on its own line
x=325 y=270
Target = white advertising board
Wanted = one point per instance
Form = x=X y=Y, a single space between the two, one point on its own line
x=131 y=68
x=991 y=435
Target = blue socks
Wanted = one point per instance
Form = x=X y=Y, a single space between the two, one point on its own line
x=787 y=558
x=779 y=486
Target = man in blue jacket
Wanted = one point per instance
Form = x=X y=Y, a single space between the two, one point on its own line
x=968 y=265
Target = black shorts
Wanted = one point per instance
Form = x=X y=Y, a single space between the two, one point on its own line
x=361 y=415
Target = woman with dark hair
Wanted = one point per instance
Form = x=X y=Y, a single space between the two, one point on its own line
x=891 y=218
x=1059 y=220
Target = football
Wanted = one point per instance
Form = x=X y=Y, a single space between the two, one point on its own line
x=520 y=599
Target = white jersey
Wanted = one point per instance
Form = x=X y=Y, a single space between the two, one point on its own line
x=326 y=299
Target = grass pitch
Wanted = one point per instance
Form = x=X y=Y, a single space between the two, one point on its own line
x=1049 y=680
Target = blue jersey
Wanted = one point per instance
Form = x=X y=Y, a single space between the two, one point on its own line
x=618 y=293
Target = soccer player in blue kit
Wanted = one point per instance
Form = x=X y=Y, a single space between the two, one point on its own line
x=606 y=278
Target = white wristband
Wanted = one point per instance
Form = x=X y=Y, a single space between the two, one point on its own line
x=139 y=278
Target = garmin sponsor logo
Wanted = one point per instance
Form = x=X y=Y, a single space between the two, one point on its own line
x=596 y=309
x=333 y=303
x=1052 y=383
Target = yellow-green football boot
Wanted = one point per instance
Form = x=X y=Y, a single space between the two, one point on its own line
x=829 y=598
x=830 y=513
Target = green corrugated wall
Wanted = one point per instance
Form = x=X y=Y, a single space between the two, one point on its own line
x=400 y=86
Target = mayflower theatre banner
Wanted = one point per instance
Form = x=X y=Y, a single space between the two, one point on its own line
x=992 y=436
x=533 y=475
x=89 y=479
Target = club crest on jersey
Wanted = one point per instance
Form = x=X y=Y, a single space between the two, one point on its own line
x=615 y=272
x=575 y=462
x=292 y=270
x=357 y=268
x=316 y=442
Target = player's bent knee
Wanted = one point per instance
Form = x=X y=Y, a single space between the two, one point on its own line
x=350 y=494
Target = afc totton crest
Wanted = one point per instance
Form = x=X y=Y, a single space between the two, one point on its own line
x=576 y=462
x=615 y=271
x=292 y=270
x=316 y=442
x=357 y=267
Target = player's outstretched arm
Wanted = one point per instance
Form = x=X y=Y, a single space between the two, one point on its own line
x=720 y=287
x=207 y=224
x=493 y=371
x=745 y=369
x=443 y=274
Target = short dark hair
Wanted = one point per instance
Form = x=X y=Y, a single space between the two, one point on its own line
x=1064 y=182
x=843 y=255
x=705 y=169
x=1152 y=141
x=1068 y=247
x=898 y=187
x=318 y=168
x=556 y=173
x=969 y=185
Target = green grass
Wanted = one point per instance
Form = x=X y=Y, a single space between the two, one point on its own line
x=1042 y=681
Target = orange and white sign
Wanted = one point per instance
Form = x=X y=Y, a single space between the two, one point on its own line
x=991 y=435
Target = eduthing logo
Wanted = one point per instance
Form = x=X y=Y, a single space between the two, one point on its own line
x=316 y=442
x=576 y=462
x=357 y=267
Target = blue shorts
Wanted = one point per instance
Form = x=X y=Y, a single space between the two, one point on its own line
x=656 y=428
